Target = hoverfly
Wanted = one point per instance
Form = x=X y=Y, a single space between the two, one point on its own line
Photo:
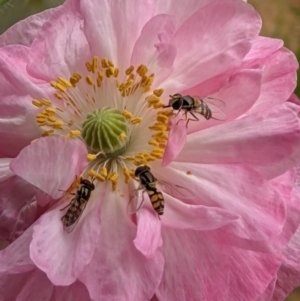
x=77 y=205
x=208 y=107
x=148 y=184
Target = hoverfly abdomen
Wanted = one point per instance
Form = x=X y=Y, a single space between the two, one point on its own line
x=77 y=205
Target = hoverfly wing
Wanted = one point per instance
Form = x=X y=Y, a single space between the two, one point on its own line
x=136 y=201
x=216 y=107
x=175 y=190
x=74 y=216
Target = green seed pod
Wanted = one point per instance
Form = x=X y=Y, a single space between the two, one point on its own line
x=103 y=131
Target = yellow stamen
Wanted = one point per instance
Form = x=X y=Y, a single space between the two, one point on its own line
x=166 y=113
x=58 y=124
x=129 y=70
x=116 y=72
x=158 y=105
x=152 y=99
x=91 y=157
x=104 y=63
x=122 y=136
x=136 y=120
x=46 y=102
x=58 y=96
x=47 y=133
x=37 y=103
x=153 y=142
x=89 y=80
x=110 y=63
x=158 y=127
x=127 y=114
x=95 y=64
x=126 y=174
x=142 y=70
x=162 y=118
x=61 y=88
x=103 y=171
x=64 y=82
x=158 y=92
x=51 y=119
x=109 y=72
x=129 y=158
x=50 y=110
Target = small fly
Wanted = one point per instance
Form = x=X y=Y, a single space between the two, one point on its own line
x=208 y=107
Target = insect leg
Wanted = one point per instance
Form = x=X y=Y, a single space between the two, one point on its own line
x=196 y=119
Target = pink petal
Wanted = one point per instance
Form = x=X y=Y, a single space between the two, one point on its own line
x=236 y=189
x=25 y=31
x=15 y=257
x=5 y=172
x=176 y=141
x=262 y=47
x=16 y=212
x=118 y=25
x=71 y=252
x=239 y=94
x=35 y=286
x=209 y=270
x=118 y=271
x=153 y=49
x=58 y=160
x=278 y=81
x=197 y=217
x=276 y=132
x=69 y=48
x=148 y=236
x=234 y=21
x=268 y=293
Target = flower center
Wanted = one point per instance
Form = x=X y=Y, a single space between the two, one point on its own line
x=118 y=117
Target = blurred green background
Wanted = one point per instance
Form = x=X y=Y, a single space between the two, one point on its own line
x=281 y=19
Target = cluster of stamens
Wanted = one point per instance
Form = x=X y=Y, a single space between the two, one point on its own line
x=80 y=95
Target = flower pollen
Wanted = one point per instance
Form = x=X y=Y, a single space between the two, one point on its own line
x=114 y=113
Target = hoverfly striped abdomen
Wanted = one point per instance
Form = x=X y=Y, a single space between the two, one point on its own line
x=77 y=205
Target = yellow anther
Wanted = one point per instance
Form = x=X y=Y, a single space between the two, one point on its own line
x=157 y=151
x=89 y=80
x=109 y=72
x=129 y=70
x=140 y=156
x=58 y=96
x=126 y=174
x=158 y=105
x=137 y=162
x=58 y=124
x=114 y=177
x=110 y=63
x=53 y=84
x=99 y=78
x=92 y=173
x=104 y=63
x=99 y=178
x=152 y=99
x=157 y=156
x=162 y=118
x=130 y=158
x=158 y=127
x=64 y=82
x=95 y=64
x=162 y=145
x=37 y=103
x=61 y=88
x=116 y=72
x=75 y=133
x=47 y=133
x=136 y=120
x=122 y=136
x=103 y=171
x=151 y=158
x=141 y=70
x=88 y=66
x=153 y=142
x=161 y=139
x=159 y=134
x=91 y=157
x=166 y=112
x=127 y=114
x=158 y=92
x=51 y=110
x=51 y=119
x=128 y=83
x=46 y=102
x=41 y=120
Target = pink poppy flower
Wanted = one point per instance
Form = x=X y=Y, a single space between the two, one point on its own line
x=118 y=63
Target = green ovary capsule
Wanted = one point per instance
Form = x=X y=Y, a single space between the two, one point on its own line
x=105 y=130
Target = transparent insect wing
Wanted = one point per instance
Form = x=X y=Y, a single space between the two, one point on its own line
x=136 y=201
x=175 y=190
x=216 y=106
